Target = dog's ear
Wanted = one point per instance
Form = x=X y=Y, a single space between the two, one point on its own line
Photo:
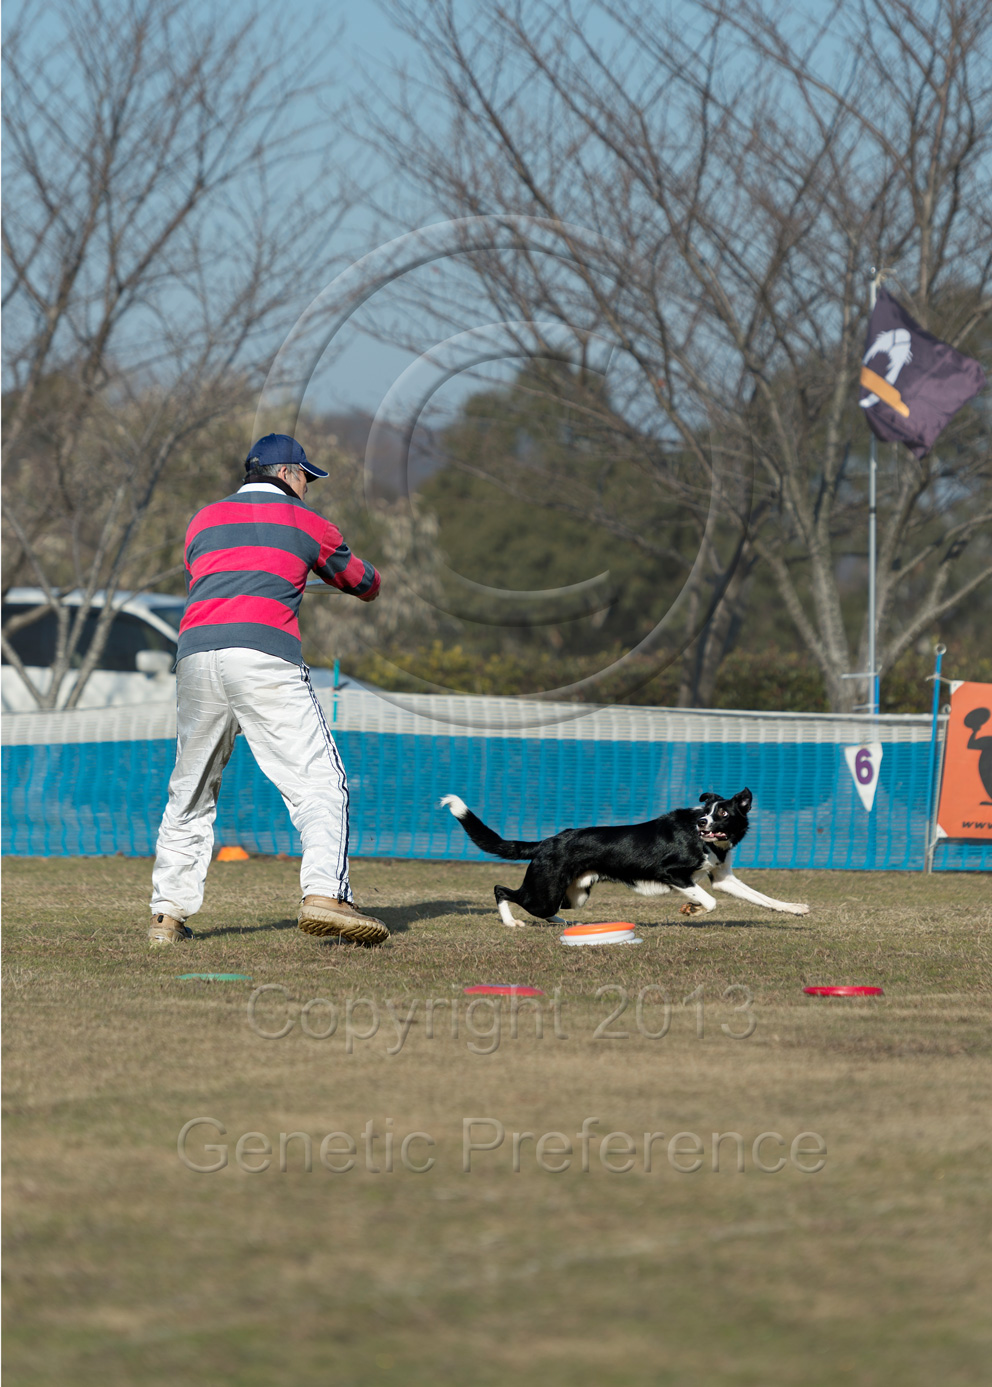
x=708 y=799
x=743 y=800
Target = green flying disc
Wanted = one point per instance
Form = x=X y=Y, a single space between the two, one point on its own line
x=214 y=977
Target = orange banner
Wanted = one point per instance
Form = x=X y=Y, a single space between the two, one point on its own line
x=965 y=809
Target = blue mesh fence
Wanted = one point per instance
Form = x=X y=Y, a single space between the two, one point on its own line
x=104 y=797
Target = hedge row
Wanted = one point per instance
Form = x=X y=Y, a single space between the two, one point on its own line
x=765 y=681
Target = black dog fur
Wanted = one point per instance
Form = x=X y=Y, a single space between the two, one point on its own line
x=684 y=851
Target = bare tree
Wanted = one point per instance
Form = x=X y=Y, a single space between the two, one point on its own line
x=400 y=539
x=709 y=188
x=156 y=239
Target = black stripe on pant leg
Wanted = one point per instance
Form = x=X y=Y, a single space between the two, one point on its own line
x=332 y=751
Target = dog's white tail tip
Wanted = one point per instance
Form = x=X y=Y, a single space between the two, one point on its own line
x=456 y=804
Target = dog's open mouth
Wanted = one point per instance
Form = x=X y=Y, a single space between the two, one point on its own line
x=711 y=836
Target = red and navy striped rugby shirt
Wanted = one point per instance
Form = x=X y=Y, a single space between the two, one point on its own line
x=247 y=562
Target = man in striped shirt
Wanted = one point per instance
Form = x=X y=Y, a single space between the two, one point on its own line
x=240 y=668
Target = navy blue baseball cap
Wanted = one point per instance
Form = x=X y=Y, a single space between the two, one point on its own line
x=278 y=449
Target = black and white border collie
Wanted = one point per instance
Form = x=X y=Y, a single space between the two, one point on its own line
x=685 y=851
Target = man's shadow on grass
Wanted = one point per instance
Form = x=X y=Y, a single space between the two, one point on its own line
x=397 y=919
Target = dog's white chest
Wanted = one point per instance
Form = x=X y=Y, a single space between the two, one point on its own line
x=651 y=888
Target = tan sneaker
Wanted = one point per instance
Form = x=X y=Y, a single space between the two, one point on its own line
x=324 y=915
x=166 y=929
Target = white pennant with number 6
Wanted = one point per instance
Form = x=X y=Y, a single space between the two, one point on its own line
x=864 y=763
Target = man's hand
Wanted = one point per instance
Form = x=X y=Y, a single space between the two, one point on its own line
x=369 y=596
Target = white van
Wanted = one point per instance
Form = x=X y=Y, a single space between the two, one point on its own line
x=138 y=661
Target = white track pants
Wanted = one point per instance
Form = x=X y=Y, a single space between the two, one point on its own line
x=274 y=706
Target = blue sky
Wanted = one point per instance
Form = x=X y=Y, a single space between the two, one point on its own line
x=361 y=374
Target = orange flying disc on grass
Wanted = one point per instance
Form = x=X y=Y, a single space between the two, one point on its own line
x=580 y=931
x=615 y=932
x=232 y=855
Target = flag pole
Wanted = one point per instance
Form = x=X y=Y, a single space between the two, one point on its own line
x=939 y=653
x=873 y=699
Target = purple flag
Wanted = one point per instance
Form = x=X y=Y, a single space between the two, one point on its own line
x=911 y=382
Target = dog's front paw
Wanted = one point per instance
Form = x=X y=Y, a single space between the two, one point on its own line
x=799 y=909
x=691 y=908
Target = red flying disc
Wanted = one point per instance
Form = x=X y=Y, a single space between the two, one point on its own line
x=843 y=991
x=503 y=990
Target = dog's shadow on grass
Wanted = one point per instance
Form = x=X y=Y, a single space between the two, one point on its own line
x=397 y=919
x=691 y=922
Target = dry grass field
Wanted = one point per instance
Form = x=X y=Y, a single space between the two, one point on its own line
x=125 y=1266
